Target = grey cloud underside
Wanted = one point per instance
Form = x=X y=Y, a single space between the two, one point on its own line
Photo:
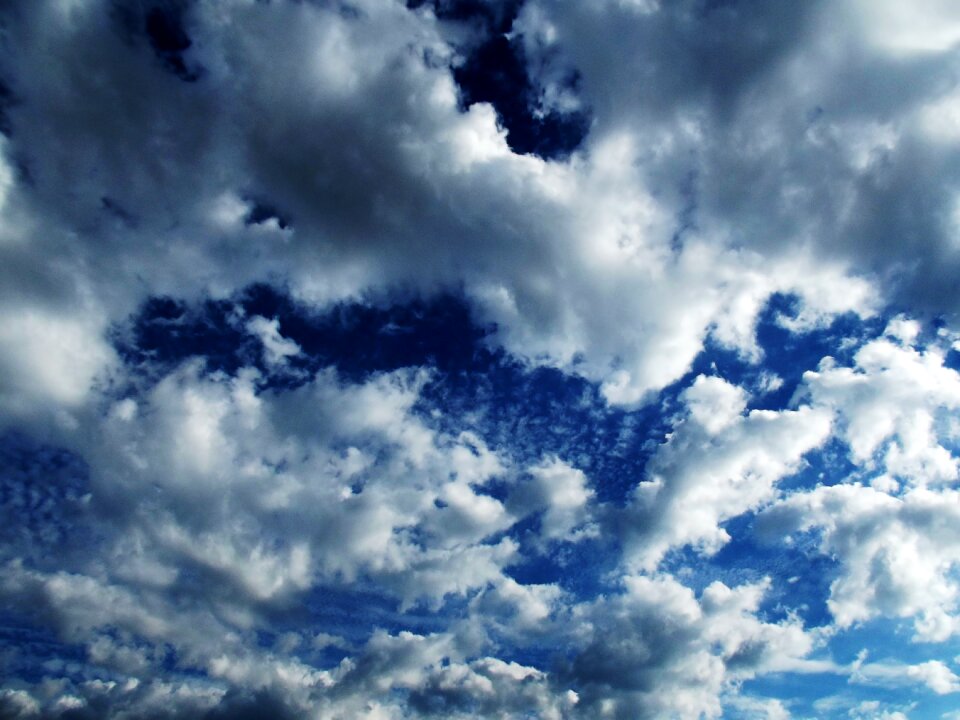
x=193 y=545
x=350 y=126
x=803 y=128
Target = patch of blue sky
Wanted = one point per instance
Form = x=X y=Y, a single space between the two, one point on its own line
x=357 y=338
x=583 y=569
x=495 y=69
x=803 y=694
x=936 y=706
x=526 y=412
x=533 y=413
x=162 y=23
x=799 y=575
x=43 y=492
x=30 y=649
x=828 y=464
x=789 y=352
x=952 y=359
x=889 y=639
x=355 y=612
x=829 y=696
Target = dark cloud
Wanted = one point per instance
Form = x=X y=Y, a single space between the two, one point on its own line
x=238 y=705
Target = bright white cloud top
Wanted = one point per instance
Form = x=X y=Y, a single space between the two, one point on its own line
x=462 y=358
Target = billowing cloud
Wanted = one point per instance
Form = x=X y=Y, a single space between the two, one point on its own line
x=656 y=650
x=716 y=465
x=448 y=359
x=893 y=536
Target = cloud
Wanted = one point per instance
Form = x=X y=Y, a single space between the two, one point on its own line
x=220 y=507
x=562 y=256
x=656 y=650
x=893 y=401
x=933 y=673
x=892 y=538
x=215 y=492
x=276 y=348
x=767 y=709
x=807 y=138
x=717 y=464
x=874 y=709
x=562 y=494
x=896 y=554
x=272 y=491
x=266 y=535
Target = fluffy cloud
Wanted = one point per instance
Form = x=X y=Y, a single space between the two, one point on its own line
x=215 y=492
x=572 y=261
x=782 y=127
x=896 y=553
x=276 y=348
x=272 y=491
x=561 y=493
x=656 y=650
x=210 y=544
x=893 y=538
x=894 y=402
x=933 y=673
x=717 y=464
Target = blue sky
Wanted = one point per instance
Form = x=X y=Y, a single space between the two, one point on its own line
x=462 y=358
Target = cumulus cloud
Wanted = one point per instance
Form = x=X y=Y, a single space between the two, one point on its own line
x=933 y=673
x=896 y=553
x=562 y=494
x=893 y=402
x=273 y=491
x=276 y=348
x=875 y=709
x=265 y=535
x=767 y=709
x=805 y=131
x=572 y=261
x=892 y=537
x=717 y=464
x=217 y=493
x=657 y=650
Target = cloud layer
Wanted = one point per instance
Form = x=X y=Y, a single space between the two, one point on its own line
x=394 y=360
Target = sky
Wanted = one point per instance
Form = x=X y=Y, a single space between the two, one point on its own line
x=479 y=358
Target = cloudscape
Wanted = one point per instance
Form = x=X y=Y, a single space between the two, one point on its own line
x=479 y=358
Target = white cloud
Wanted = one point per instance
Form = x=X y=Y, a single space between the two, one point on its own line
x=798 y=148
x=276 y=347
x=759 y=708
x=896 y=553
x=892 y=539
x=562 y=494
x=658 y=651
x=874 y=709
x=273 y=491
x=713 y=403
x=801 y=138
x=716 y=465
x=930 y=26
x=891 y=402
x=570 y=260
x=903 y=329
x=49 y=360
x=933 y=673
